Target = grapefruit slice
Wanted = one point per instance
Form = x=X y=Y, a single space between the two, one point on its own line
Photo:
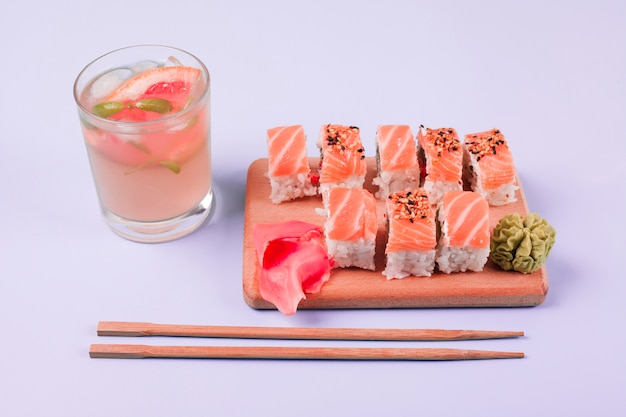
x=153 y=93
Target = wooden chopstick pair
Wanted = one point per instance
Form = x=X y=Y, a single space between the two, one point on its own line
x=140 y=329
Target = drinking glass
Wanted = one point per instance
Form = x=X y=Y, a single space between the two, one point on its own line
x=146 y=121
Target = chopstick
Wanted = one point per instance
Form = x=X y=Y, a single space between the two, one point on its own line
x=121 y=351
x=138 y=329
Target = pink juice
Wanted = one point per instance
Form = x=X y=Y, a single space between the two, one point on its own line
x=152 y=176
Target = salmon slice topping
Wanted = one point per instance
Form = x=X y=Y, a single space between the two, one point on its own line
x=443 y=153
x=411 y=221
x=493 y=156
x=287 y=151
x=466 y=215
x=351 y=214
x=342 y=153
x=396 y=146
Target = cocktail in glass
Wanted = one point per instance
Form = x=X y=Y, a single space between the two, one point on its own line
x=145 y=118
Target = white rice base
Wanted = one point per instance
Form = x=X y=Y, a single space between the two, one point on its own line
x=437 y=189
x=459 y=259
x=290 y=187
x=358 y=253
x=393 y=181
x=500 y=196
x=354 y=181
x=403 y=263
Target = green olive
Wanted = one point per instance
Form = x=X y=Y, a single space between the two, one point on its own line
x=107 y=109
x=157 y=105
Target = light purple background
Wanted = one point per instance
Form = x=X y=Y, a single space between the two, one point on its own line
x=551 y=75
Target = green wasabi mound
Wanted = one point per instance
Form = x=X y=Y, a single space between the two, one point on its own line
x=521 y=244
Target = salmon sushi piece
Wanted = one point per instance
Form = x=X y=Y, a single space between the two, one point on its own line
x=351 y=227
x=412 y=235
x=396 y=159
x=289 y=171
x=464 y=239
x=342 y=161
x=489 y=168
x=441 y=154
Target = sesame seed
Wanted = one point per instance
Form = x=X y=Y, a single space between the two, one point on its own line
x=443 y=140
x=410 y=205
x=489 y=143
x=341 y=138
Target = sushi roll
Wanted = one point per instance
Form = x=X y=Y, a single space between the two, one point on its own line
x=440 y=152
x=342 y=162
x=488 y=167
x=463 y=245
x=412 y=231
x=351 y=227
x=396 y=158
x=289 y=171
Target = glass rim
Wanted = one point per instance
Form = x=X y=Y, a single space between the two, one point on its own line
x=165 y=119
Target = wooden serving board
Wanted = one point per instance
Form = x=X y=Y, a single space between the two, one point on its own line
x=357 y=288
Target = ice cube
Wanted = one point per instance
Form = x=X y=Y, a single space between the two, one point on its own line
x=142 y=66
x=172 y=61
x=108 y=82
